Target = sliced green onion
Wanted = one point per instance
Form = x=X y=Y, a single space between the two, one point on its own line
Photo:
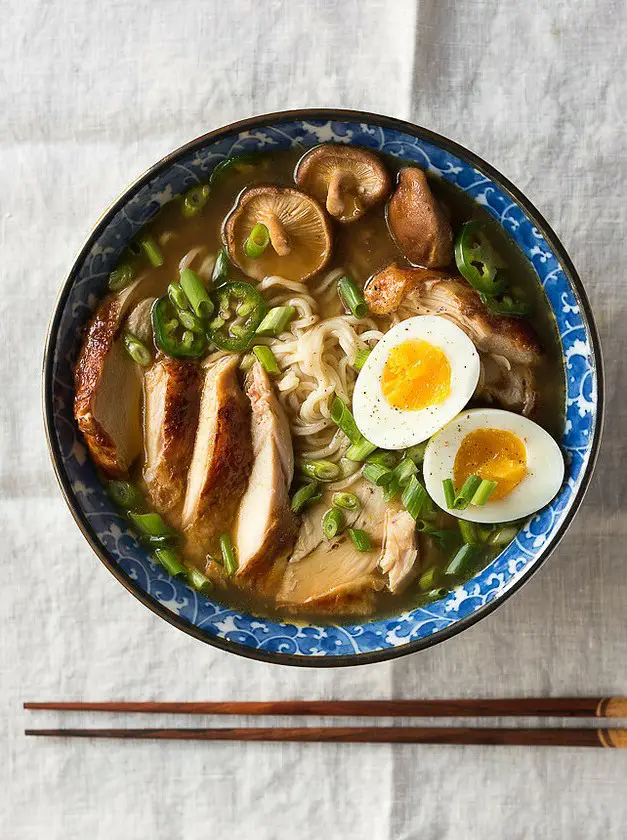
x=360 y=451
x=306 y=496
x=196 y=293
x=332 y=523
x=360 y=358
x=414 y=497
x=228 y=554
x=391 y=490
x=404 y=471
x=195 y=199
x=449 y=492
x=348 y=467
x=124 y=494
x=470 y=486
x=136 y=349
x=170 y=562
x=275 y=321
x=121 y=276
x=383 y=457
x=321 y=470
x=469 y=532
x=257 y=242
x=483 y=492
x=247 y=361
x=377 y=474
x=360 y=539
x=503 y=536
x=266 y=358
x=435 y=595
x=342 y=417
x=198 y=581
x=220 y=273
x=444 y=537
x=178 y=297
x=151 y=524
x=345 y=501
x=352 y=297
x=152 y=251
x=417 y=452
x=428 y=578
x=463 y=561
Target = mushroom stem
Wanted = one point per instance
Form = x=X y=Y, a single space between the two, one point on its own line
x=278 y=237
x=335 y=202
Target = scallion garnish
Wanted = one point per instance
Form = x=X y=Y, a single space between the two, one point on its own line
x=377 y=474
x=228 y=554
x=483 y=492
x=305 y=497
x=449 y=492
x=321 y=470
x=170 y=562
x=352 y=297
x=152 y=251
x=257 y=242
x=345 y=501
x=360 y=539
x=360 y=451
x=332 y=523
x=469 y=487
x=196 y=293
x=342 y=417
x=276 y=321
x=414 y=497
x=121 y=276
x=266 y=358
x=360 y=358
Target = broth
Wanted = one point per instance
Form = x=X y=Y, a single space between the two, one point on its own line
x=362 y=249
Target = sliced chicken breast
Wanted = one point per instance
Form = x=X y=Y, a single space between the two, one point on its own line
x=334 y=574
x=171 y=401
x=265 y=525
x=399 y=552
x=222 y=455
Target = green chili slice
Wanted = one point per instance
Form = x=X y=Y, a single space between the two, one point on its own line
x=195 y=199
x=169 y=334
x=506 y=304
x=240 y=163
x=239 y=311
x=477 y=260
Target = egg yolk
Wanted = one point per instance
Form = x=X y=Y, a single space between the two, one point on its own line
x=416 y=375
x=495 y=454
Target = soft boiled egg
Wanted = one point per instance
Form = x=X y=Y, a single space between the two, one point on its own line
x=501 y=446
x=417 y=378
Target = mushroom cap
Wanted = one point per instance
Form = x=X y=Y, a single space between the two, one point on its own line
x=418 y=223
x=300 y=232
x=346 y=179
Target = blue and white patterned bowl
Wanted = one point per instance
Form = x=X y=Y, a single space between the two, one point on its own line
x=284 y=642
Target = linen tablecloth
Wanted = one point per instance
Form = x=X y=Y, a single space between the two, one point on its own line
x=92 y=94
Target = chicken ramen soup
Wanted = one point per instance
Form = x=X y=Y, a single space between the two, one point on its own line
x=324 y=383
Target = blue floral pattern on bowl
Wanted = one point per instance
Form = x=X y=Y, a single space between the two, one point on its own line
x=283 y=640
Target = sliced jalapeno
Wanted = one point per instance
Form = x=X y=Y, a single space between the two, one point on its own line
x=171 y=336
x=239 y=311
x=477 y=260
x=506 y=304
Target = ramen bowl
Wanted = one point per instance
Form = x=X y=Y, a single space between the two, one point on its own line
x=360 y=641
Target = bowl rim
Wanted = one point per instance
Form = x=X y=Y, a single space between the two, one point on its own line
x=259 y=121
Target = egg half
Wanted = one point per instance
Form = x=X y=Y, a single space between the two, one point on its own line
x=519 y=455
x=417 y=378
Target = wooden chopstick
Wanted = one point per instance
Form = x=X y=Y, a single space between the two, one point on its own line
x=568 y=737
x=600 y=707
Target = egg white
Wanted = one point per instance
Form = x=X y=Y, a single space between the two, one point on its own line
x=395 y=428
x=545 y=465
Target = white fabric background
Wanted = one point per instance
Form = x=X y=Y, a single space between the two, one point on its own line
x=93 y=93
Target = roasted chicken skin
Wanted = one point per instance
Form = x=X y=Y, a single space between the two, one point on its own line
x=171 y=401
x=509 y=347
x=108 y=392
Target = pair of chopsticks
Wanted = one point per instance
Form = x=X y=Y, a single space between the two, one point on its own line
x=566 y=707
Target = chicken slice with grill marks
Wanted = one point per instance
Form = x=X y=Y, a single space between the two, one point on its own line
x=399 y=552
x=265 y=526
x=221 y=459
x=508 y=342
x=171 y=400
